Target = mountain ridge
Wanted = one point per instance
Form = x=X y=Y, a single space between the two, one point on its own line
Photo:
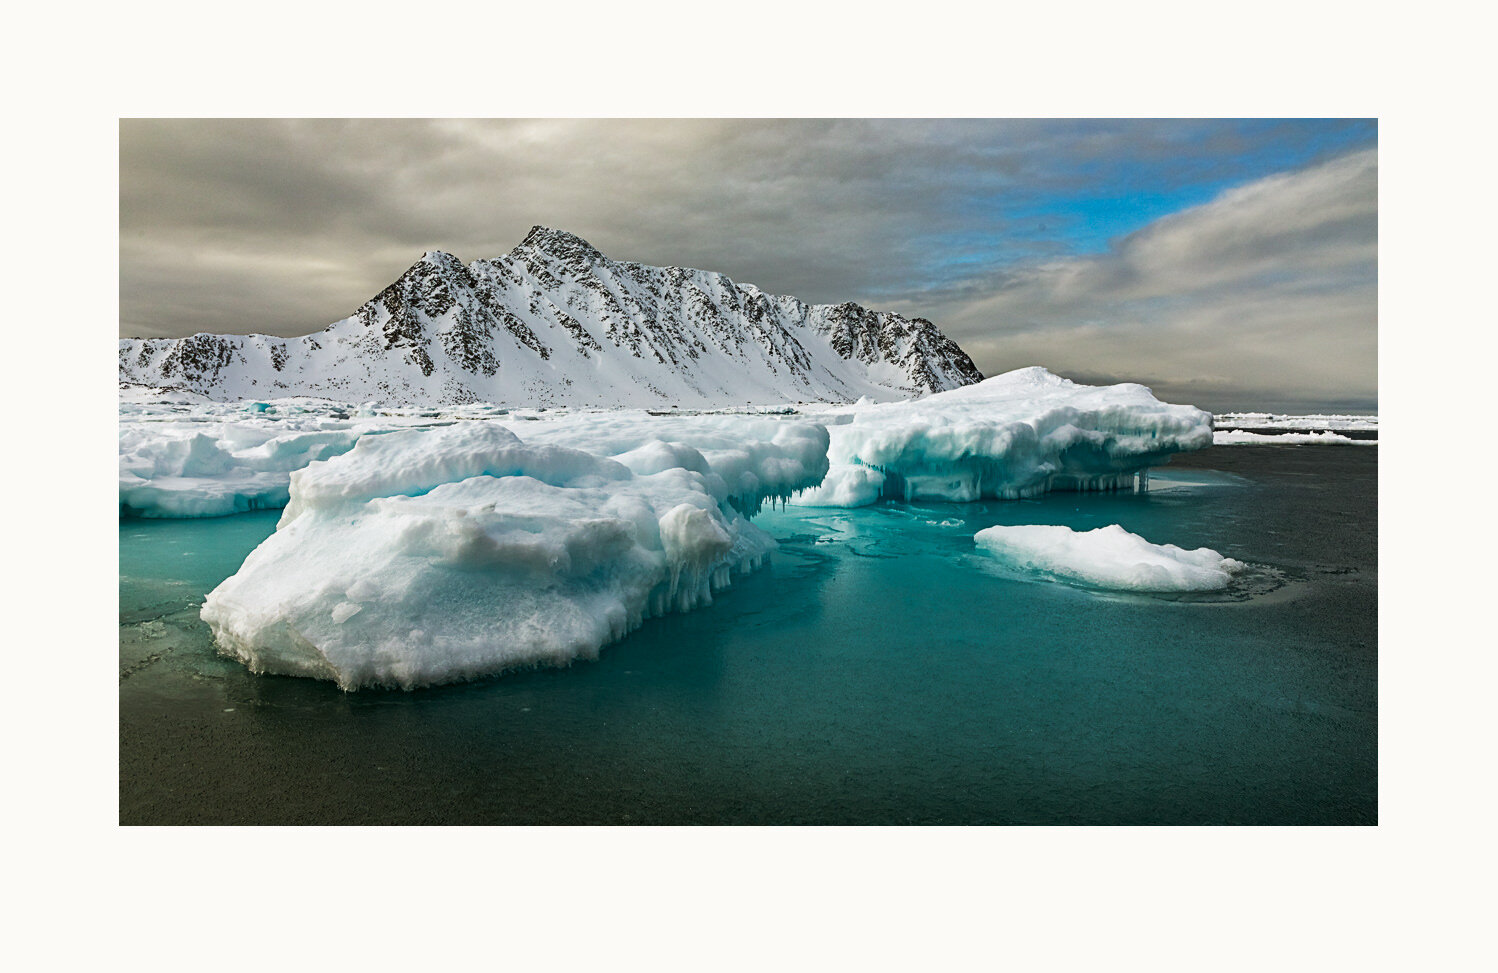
x=556 y=322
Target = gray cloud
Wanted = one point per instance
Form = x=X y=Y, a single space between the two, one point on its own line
x=284 y=226
x=1267 y=294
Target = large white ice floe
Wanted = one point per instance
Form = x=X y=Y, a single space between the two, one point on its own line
x=435 y=555
x=1108 y=557
x=1015 y=435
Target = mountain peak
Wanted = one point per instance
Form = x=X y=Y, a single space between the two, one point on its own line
x=560 y=243
x=555 y=322
x=440 y=259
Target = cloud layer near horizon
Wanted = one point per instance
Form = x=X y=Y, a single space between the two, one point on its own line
x=1264 y=293
x=1268 y=291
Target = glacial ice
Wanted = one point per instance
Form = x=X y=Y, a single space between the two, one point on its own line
x=1108 y=557
x=435 y=555
x=1015 y=435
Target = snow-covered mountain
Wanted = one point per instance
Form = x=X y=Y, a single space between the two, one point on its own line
x=554 y=322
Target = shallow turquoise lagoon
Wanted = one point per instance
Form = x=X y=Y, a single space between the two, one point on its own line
x=882 y=670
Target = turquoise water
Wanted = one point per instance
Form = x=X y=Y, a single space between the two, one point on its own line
x=882 y=670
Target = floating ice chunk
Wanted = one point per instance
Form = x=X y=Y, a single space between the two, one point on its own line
x=1019 y=434
x=1108 y=557
x=429 y=556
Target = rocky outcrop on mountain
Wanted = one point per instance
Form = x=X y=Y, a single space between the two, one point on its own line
x=555 y=322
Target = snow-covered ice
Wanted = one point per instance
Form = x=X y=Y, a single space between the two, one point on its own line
x=758 y=457
x=421 y=546
x=1316 y=421
x=1237 y=437
x=1015 y=435
x=845 y=485
x=1244 y=428
x=200 y=460
x=1108 y=557
x=429 y=556
x=182 y=455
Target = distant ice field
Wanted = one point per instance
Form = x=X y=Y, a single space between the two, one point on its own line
x=1271 y=429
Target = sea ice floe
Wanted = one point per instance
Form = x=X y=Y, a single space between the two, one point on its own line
x=1108 y=557
x=435 y=555
x=1015 y=435
x=1238 y=437
x=421 y=547
x=1304 y=423
x=181 y=456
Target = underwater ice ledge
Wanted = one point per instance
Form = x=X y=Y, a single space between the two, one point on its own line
x=432 y=556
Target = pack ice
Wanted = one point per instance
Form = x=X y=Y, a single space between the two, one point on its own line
x=1015 y=435
x=1108 y=557
x=184 y=456
x=435 y=555
x=421 y=547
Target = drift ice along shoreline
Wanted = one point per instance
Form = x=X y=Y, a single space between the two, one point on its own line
x=421 y=547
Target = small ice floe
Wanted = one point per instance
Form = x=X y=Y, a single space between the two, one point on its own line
x=1109 y=558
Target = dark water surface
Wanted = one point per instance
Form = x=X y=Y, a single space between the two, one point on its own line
x=881 y=671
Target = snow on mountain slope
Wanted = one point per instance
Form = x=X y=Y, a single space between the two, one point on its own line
x=554 y=322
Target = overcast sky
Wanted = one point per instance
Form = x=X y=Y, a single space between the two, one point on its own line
x=1231 y=264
